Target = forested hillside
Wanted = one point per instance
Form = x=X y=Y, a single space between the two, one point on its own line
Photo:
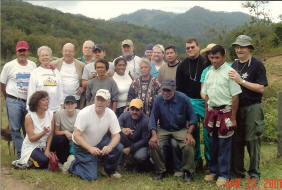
x=45 y=26
x=194 y=22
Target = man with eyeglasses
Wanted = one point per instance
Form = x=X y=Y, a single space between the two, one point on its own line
x=173 y=113
x=251 y=75
x=188 y=77
x=87 y=52
x=135 y=134
x=14 y=85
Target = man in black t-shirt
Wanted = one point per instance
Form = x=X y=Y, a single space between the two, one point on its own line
x=251 y=75
x=188 y=77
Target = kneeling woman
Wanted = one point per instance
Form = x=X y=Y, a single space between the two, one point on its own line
x=39 y=126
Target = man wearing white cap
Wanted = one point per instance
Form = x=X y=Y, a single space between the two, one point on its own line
x=133 y=60
x=91 y=140
x=14 y=85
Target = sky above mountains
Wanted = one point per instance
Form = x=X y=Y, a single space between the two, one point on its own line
x=110 y=9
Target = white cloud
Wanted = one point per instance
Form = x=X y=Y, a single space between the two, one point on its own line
x=109 y=9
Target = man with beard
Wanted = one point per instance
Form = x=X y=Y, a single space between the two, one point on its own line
x=188 y=77
x=14 y=85
x=173 y=113
x=134 y=133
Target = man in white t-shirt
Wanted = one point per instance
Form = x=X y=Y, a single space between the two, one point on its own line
x=14 y=84
x=71 y=72
x=92 y=141
x=133 y=61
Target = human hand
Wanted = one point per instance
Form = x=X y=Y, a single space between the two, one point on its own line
x=110 y=73
x=46 y=130
x=127 y=131
x=234 y=75
x=126 y=151
x=94 y=151
x=154 y=141
x=47 y=153
x=106 y=150
x=92 y=75
x=68 y=135
x=79 y=90
x=189 y=139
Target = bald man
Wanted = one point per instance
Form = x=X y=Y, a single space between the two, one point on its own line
x=71 y=71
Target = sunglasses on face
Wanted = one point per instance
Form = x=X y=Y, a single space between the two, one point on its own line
x=191 y=47
x=134 y=109
x=22 y=50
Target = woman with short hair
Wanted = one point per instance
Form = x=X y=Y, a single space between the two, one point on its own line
x=46 y=77
x=39 y=126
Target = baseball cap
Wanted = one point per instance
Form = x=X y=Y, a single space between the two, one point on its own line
x=136 y=103
x=22 y=45
x=208 y=48
x=70 y=99
x=168 y=84
x=149 y=47
x=104 y=94
x=243 y=40
x=127 y=42
x=98 y=47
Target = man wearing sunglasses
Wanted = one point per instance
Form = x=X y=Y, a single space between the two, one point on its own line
x=14 y=84
x=173 y=113
x=134 y=133
x=188 y=77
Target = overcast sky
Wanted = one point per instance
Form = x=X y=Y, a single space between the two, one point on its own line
x=109 y=9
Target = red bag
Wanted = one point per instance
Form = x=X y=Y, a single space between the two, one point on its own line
x=53 y=162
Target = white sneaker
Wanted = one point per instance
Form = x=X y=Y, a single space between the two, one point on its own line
x=178 y=174
x=116 y=175
x=67 y=164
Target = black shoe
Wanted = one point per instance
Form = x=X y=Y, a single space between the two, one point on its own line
x=159 y=177
x=187 y=177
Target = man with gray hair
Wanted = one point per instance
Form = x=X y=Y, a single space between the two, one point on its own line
x=71 y=71
x=87 y=56
x=250 y=74
x=157 y=59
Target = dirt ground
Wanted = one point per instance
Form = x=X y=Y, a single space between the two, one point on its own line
x=8 y=182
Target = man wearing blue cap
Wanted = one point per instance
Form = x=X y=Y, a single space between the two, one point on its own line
x=149 y=51
x=251 y=75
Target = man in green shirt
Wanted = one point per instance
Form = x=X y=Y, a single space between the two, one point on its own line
x=221 y=104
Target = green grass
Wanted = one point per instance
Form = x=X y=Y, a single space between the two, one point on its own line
x=271 y=168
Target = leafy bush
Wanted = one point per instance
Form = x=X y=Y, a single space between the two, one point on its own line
x=270 y=116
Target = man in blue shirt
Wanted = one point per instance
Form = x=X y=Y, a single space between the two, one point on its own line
x=173 y=112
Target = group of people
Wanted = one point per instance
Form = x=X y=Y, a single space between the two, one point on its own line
x=137 y=111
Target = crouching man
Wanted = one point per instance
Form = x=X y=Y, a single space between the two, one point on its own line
x=91 y=140
x=174 y=113
x=134 y=133
x=221 y=100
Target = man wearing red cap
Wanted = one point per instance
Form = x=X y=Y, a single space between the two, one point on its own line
x=14 y=84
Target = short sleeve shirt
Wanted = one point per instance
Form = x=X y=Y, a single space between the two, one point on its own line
x=64 y=121
x=94 y=128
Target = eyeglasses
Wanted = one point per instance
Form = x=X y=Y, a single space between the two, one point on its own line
x=191 y=47
x=22 y=50
x=134 y=109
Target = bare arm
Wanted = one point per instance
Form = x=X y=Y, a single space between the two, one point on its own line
x=235 y=104
x=84 y=83
x=249 y=85
x=29 y=130
x=50 y=137
x=58 y=131
x=3 y=89
x=203 y=96
x=114 y=106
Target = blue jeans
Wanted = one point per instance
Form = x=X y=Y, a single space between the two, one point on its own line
x=16 y=111
x=39 y=156
x=220 y=152
x=85 y=164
